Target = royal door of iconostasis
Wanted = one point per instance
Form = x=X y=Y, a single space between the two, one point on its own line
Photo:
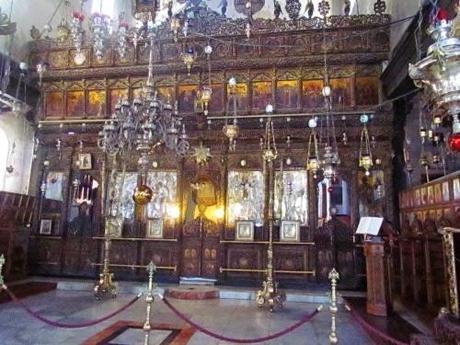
x=202 y=204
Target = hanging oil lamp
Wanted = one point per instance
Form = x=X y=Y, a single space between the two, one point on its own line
x=189 y=59
x=313 y=161
x=365 y=153
x=175 y=27
x=206 y=91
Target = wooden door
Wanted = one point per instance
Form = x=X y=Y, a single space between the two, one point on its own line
x=200 y=249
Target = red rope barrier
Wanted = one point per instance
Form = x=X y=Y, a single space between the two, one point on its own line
x=374 y=330
x=64 y=325
x=299 y=323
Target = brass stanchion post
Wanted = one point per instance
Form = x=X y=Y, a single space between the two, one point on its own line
x=149 y=299
x=333 y=277
x=2 y=262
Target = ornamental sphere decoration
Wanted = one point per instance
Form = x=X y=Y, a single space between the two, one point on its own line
x=142 y=195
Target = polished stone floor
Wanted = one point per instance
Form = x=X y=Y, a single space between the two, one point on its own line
x=234 y=318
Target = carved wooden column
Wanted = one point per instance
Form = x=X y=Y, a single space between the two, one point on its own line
x=378 y=302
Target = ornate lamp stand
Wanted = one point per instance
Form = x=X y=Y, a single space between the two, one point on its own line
x=105 y=285
x=270 y=295
x=149 y=299
x=333 y=277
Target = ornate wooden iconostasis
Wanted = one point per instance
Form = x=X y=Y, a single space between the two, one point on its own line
x=208 y=217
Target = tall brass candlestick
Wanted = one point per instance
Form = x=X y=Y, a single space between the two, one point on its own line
x=333 y=277
x=149 y=299
x=105 y=285
x=269 y=295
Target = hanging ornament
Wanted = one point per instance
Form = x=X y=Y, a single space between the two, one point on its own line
x=188 y=58
x=310 y=9
x=380 y=7
x=206 y=91
x=365 y=153
x=324 y=7
x=62 y=31
x=201 y=154
x=76 y=32
x=313 y=160
x=293 y=8
x=122 y=40
x=346 y=7
x=175 y=27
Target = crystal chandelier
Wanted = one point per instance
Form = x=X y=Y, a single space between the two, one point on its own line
x=145 y=123
x=76 y=32
x=439 y=73
x=100 y=28
x=365 y=154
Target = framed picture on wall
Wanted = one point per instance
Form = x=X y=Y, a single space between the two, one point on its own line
x=114 y=226
x=155 y=228
x=46 y=226
x=245 y=231
x=84 y=160
x=290 y=231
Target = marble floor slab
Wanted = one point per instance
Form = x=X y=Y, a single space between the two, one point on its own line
x=133 y=336
x=232 y=318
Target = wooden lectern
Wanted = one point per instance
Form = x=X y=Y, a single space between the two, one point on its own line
x=378 y=294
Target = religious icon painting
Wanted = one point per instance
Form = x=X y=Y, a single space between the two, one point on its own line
x=84 y=161
x=341 y=92
x=46 y=226
x=117 y=95
x=114 y=226
x=289 y=231
x=54 y=103
x=417 y=198
x=367 y=91
x=155 y=228
x=456 y=188
x=437 y=193
x=237 y=96
x=261 y=94
x=216 y=104
x=55 y=186
x=423 y=196
x=187 y=97
x=445 y=191
x=430 y=195
x=95 y=105
x=166 y=94
x=439 y=213
x=76 y=103
x=312 y=96
x=245 y=231
x=287 y=94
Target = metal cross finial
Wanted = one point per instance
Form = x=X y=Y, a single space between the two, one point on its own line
x=2 y=262
x=334 y=275
x=151 y=268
